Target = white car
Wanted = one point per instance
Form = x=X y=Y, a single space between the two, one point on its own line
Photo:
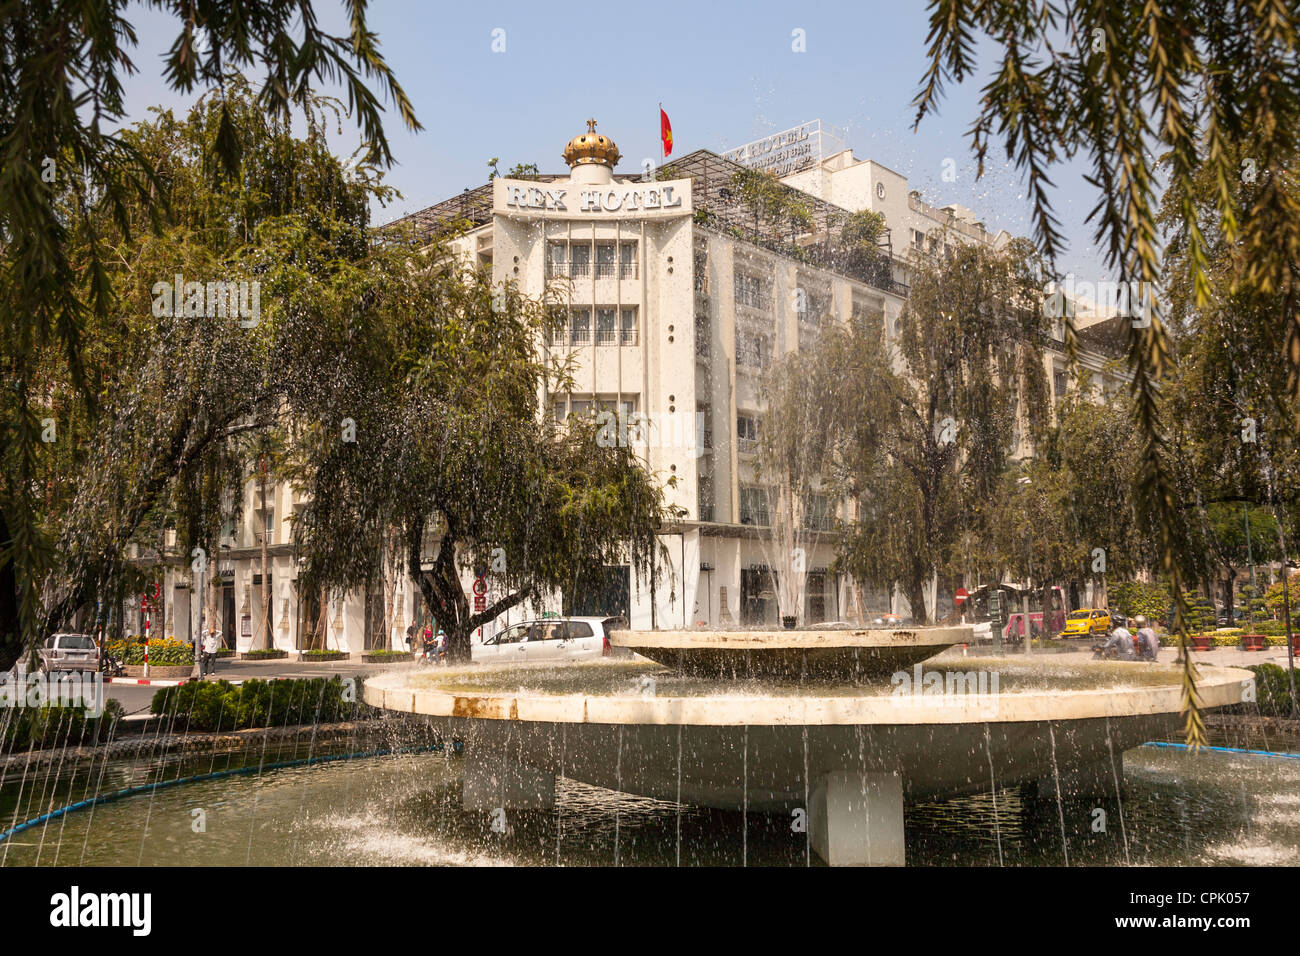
x=553 y=639
x=70 y=652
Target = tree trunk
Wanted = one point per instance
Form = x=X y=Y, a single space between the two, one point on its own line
x=11 y=629
x=1227 y=592
x=915 y=588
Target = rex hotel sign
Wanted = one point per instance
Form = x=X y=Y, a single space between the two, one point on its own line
x=580 y=200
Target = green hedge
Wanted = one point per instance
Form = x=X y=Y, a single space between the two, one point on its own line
x=324 y=655
x=220 y=705
x=1272 y=693
x=42 y=727
x=264 y=653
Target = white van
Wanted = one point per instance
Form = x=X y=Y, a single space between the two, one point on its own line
x=553 y=639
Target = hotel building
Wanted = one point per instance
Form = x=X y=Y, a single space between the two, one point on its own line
x=678 y=292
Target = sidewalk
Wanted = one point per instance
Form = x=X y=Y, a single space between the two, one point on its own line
x=1218 y=657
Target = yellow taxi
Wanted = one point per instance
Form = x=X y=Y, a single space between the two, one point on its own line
x=1087 y=622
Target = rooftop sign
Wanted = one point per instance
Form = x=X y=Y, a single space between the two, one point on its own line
x=788 y=151
x=581 y=200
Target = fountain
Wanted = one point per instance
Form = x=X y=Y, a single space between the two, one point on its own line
x=801 y=721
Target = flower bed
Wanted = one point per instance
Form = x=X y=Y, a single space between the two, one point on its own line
x=162 y=651
x=263 y=654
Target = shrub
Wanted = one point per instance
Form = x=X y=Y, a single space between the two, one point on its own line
x=220 y=705
x=385 y=653
x=318 y=655
x=41 y=727
x=1272 y=691
x=264 y=653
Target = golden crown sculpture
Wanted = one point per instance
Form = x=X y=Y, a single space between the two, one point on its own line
x=591 y=147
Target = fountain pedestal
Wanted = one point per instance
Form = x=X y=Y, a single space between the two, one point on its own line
x=492 y=784
x=856 y=819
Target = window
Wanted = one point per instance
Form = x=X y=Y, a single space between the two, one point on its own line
x=555 y=258
x=627 y=260
x=701 y=272
x=817 y=513
x=752 y=349
x=580 y=327
x=705 y=498
x=606 y=331
x=557 y=410
x=580 y=408
x=579 y=260
x=704 y=425
x=811 y=306
x=1060 y=383
x=605 y=260
x=628 y=319
x=816 y=588
x=747 y=433
x=753 y=506
x=569 y=630
x=511 y=635
x=702 y=336
x=750 y=291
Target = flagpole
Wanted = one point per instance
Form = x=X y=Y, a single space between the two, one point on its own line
x=663 y=153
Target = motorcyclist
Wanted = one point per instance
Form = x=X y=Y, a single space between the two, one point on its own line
x=1148 y=645
x=1119 y=644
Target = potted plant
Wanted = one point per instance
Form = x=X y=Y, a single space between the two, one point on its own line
x=1253 y=642
x=1202 y=642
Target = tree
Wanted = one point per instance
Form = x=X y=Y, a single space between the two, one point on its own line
x=451 y=448
x=924 y=426
x=69 y=180
x=794 y=461
x=1224 y=80
x=179 y=388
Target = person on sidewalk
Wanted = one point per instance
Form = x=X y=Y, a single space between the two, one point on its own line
x=208 y=659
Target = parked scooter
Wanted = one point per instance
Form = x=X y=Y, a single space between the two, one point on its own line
x=110 y=666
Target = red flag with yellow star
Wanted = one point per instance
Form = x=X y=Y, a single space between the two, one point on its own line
x=665 y=132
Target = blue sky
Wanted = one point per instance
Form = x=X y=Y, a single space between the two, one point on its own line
x=724 y=71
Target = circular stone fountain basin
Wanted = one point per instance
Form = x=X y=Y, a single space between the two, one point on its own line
x=848 y=653
x=639 y=728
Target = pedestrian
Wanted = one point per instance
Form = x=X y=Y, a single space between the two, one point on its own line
x=1148 y=645
x=208 y=659
x=410 y=638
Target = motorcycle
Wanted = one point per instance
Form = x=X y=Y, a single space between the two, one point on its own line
x=110 y=666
